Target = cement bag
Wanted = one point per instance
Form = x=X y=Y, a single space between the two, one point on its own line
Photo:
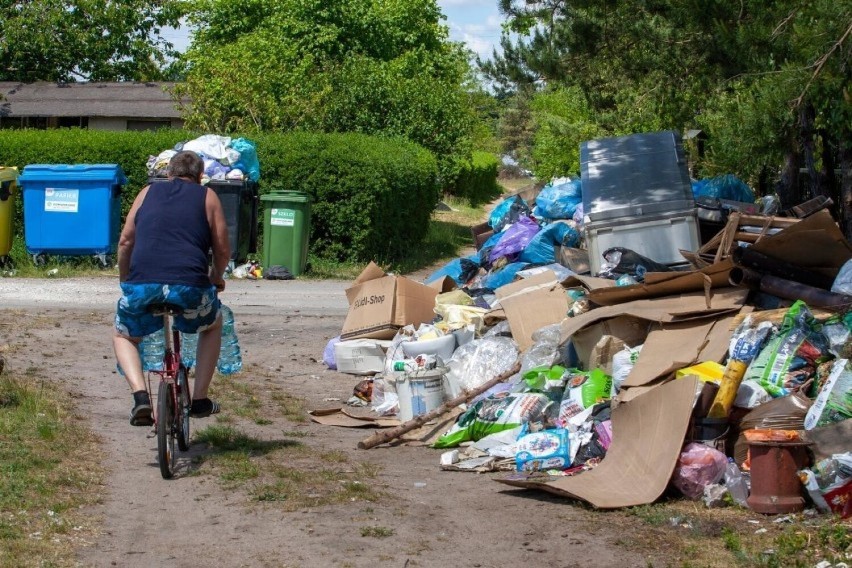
x=834 y=401
x=697 y=467
x=785 y=413
x=791 y=356
x=559 y=199
x=542 y=248
x=496 y=414
x=548 y=449
x=583 y=390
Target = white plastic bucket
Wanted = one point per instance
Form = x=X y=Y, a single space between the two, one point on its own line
x=419 y=392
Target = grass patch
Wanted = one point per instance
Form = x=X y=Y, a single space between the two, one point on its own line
x=696 y=536
x=377 y=532
x=47 y=474
x=240 y=398
x=285 y=472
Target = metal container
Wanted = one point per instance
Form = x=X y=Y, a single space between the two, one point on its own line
x=637 y=194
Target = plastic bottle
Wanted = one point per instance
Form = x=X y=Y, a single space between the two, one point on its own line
x=188 y=347
x=151 y=351
x=736 y=483
x=230 y=359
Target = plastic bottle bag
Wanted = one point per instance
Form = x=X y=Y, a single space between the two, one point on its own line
x=736 y=483
x=230 y=358
x=151 y=351
x=188 y=349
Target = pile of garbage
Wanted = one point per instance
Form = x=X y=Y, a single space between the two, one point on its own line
x=726 y=376
x=224 y=158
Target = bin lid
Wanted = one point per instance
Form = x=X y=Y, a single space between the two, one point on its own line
x=291 y=196
x=8 y=174
x=69 y=173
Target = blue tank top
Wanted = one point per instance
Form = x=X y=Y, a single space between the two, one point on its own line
x=172 y=236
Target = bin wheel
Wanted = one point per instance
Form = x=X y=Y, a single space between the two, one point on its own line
x=106 y=260
x=40 y=259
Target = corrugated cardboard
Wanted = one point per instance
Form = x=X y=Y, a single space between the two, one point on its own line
x=814 y=243
x=694 y=305
x=647 y=435
x=360 y=356
x=632 y=331
x=380 y=304
x=531 y=304
x=658 y=284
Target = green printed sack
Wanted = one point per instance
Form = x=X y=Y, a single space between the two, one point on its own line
x=583 y=390
x=495 y=414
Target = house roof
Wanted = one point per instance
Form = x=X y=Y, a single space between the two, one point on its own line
x=131 y=100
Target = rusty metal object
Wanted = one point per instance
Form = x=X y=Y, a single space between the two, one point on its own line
x=789 y=290
x=750 y=258
x=775 y=485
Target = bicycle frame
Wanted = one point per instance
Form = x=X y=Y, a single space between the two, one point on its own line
x=171 y=359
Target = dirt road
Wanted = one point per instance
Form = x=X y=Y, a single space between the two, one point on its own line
x=428 y=517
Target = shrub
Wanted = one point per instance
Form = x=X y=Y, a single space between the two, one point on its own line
x=477 y=179
x=372 y=197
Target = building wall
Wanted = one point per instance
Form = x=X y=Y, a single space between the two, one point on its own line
x=107 y=123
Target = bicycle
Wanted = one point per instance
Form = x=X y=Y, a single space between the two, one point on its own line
x=171 y=413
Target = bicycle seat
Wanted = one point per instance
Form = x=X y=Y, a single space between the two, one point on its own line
x=164 y=308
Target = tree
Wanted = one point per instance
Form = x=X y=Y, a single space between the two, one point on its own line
x=95 y=40
x=768 y=82
x=373 y=66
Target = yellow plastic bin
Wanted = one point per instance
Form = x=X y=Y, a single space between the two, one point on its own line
x=8 y=190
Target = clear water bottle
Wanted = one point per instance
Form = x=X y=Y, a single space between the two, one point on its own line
x=230 y=359
x=188 y=348
x=151 y=351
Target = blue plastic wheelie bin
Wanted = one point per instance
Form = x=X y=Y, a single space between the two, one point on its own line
x=72 y=210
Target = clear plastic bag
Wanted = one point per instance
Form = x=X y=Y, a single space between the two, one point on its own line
x=479 y=361
x=697 y=467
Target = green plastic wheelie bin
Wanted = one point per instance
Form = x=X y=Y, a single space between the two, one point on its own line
x=286 y=230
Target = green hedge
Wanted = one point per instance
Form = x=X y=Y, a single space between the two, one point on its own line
x=477 y=179
x=373 y=197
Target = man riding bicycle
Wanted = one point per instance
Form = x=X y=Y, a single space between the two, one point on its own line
x=162 y=258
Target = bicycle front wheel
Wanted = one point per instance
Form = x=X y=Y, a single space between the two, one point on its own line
x=184 y=404
x=165 y=435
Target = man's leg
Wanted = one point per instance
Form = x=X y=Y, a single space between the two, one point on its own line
x=127 y=355
x=128 y=359
x=209 y=343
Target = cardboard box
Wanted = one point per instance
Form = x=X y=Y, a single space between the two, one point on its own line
x=531 y=304
x=360 y=356
x=380 y=304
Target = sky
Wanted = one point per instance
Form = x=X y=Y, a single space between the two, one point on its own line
x=473 y=22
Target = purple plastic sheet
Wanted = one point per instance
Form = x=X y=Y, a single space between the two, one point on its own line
x=515 y=239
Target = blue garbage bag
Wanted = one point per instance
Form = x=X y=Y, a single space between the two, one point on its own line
x=509 y=211
x=248 y=161
x=503 y=276
x=515 y=239
x=461 y=270
x=542 y=248
x=559 y=199
x=726 y=186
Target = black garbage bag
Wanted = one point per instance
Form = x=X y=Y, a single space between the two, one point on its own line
x=621 y=261
x=278 y=272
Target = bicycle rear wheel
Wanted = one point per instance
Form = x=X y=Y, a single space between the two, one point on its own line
x=184 y=404
x=165 y=435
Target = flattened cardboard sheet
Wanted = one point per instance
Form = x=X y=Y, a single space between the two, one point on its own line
x=340 y=417
x=531 y=304
x=647 y=435
x=659 y=284
x=815 y=243
x=693 y=305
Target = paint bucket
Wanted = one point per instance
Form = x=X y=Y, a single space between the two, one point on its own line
x=419 y=392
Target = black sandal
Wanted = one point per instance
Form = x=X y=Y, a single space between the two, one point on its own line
x=204 y=407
